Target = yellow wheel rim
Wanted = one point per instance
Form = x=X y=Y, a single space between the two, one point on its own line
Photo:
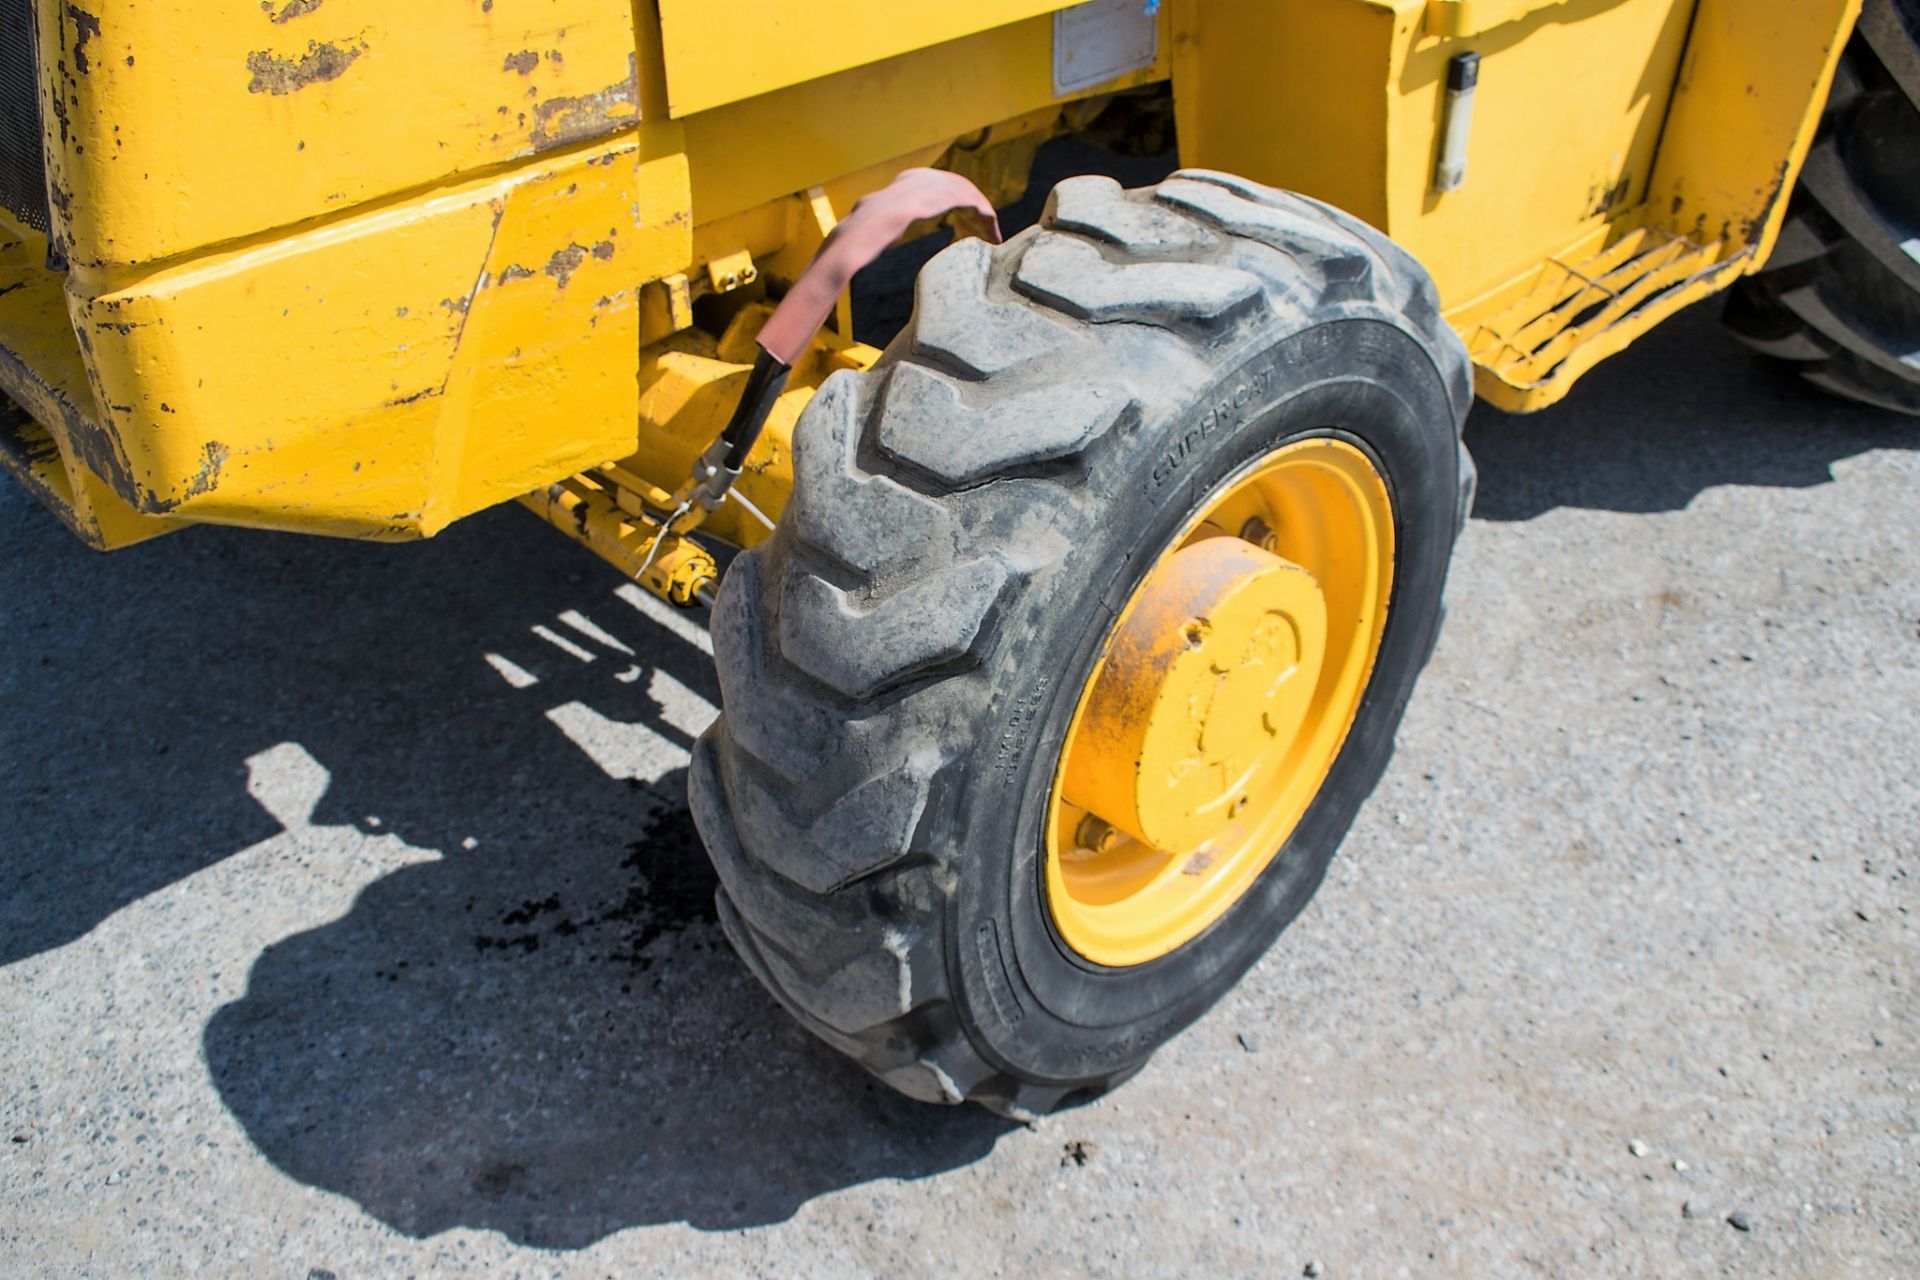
x=1219 y=703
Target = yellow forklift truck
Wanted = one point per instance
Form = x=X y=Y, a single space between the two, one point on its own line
x=1066 y=635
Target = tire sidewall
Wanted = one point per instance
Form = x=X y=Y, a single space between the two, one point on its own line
x=1032 y=1005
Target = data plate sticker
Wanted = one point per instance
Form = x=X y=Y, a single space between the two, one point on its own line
x=1093 y=43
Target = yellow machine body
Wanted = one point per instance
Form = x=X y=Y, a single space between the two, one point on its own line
x=355 y=268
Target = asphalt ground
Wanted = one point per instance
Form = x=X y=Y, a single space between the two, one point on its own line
x=352 y=924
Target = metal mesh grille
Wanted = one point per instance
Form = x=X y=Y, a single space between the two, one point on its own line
x=23 y=173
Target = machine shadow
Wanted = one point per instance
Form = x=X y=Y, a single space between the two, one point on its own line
x=541 y=1032
x=126 y=740
x=555 y=1042
x=1683 y=410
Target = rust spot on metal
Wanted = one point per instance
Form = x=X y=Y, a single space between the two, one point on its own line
x=279 y=75
x=24 y=438
x=98 y=448
x=1611 y=198
x=564 y=262
x=559 y=121
x=514 y=271
x=524 y=62
x=31 y=454
x=604 y=251
x=290 y=10
x=85 y=27
x=395 y=403
x=60 y=115
x=1751 y=230
x=212 y=458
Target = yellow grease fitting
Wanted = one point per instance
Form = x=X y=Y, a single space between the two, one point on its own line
x=1217 y=708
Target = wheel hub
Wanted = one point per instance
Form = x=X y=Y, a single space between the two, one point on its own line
x=1217 y=708
x=1205 y=687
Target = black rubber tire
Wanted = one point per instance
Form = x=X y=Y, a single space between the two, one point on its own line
x=1840 y=297
x=899 y=660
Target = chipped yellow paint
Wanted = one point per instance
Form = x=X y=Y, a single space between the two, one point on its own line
x=381 y=375
x=53 y=442
x=384 y=301
x=186 y=123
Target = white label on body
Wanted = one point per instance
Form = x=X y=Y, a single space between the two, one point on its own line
x=1101 y=40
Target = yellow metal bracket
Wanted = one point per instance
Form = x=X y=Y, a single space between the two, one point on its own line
x=732 y=271
x=594 y=508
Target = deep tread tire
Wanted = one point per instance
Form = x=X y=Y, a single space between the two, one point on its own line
x=1840 y=297
x=898 y=660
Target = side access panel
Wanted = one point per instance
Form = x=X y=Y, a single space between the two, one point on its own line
x=1625 y=157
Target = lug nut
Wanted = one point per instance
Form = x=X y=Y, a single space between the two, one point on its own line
x=1260 y=534
x=1096 y=835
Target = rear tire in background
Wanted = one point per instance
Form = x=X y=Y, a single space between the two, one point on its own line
x=1840 y=296
x=904 y=661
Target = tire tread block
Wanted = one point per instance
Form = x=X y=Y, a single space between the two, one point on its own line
x=957 y=324
x=1843 y=268
x=858 y=648
x=926 y=422
x=1096 y=206
x=1891 y=29
x=1300 y=236
x=1072 y=275
x=1854 y=306
x=870 y=523
x=791 y=734
x=1827 y=182
x=859 y=832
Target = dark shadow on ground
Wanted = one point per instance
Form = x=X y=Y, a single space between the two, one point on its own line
x=1683 y=410
x=136 y=685
x=543 y=1032
x=554 y=1041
